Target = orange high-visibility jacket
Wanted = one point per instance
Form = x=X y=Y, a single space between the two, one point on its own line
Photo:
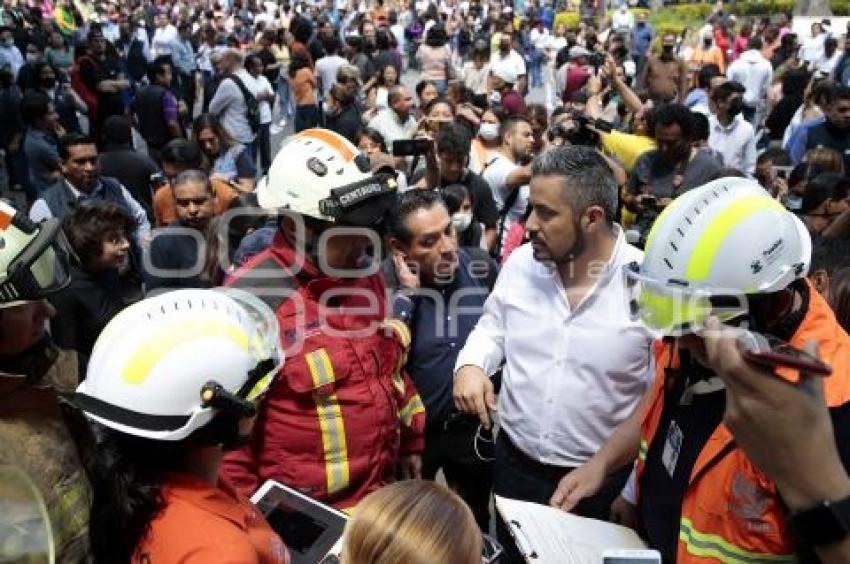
x=731 y=511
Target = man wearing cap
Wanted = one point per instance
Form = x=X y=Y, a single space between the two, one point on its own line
x=502 y=80
x=665 y=76
x=573 y=76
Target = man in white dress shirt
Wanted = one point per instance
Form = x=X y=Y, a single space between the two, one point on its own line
x=575 y=364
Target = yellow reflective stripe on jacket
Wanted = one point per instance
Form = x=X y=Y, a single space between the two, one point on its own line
x=70 y=515
x=644 y=448
x=706 y=545
x=409 y=411
x=330 y=422
x=400 y=329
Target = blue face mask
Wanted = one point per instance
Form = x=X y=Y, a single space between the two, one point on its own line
x=793 y=202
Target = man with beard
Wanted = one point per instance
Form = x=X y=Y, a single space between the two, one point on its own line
x=575 y=364
x=174 y=251
x=671 y=169
x=665 y=76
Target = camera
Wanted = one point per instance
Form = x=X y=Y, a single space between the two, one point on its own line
x=575 y=131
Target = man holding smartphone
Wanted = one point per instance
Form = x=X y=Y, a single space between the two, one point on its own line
x=729 y=250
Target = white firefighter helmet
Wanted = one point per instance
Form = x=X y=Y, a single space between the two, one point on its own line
x=163 y=367
x=34 y=257
x=321 y=174
x=709 y=249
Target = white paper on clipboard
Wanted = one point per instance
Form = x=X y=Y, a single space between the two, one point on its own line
x=547 y=535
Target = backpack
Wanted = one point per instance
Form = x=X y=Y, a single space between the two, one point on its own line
x=81 y=88
x=252 y=106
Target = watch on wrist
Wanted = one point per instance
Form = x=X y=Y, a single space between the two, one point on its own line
x=823 y=524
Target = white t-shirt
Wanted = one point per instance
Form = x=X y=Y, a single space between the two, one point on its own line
x=257 y=86
x=496 y=175
x=514 y=60
x=326 y=69
x=476 y=79
x=163 y=38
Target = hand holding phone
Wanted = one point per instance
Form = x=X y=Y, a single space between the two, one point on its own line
x=771 y=352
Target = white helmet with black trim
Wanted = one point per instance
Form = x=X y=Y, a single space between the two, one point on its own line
x=711 y=248
x=164 y=367
x=34 y=257
x=320 y=174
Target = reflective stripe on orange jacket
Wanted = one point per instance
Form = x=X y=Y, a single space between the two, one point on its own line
x=731 y=512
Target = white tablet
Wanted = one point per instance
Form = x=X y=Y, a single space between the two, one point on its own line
x=310 y=530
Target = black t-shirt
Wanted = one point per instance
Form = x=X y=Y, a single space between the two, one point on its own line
x=686 y=425
x=109 y=103
x=484 y=209
x=268 y=58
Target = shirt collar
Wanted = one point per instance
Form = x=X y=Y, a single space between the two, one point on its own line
x=727 y=128
x=220 y=500
x=78 y=193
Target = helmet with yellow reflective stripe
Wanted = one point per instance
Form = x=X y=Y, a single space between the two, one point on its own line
x=709 y=249
x=320 y=174
x=166 y=366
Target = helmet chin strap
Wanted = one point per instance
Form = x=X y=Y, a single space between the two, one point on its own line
x=32 y=363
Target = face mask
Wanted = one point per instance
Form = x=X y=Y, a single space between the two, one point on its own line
x=641 y=24
x=488 y=131
x=461 y=221
x=793 y=202
x=495 y=97
x=736 y=107
x=707 y=42
x=32 y=57
x=667 y=49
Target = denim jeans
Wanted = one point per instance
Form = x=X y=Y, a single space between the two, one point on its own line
x=287 y=109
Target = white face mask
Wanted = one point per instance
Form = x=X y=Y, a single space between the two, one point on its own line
x=461 y=221
x=488 y=131
x=495 y=98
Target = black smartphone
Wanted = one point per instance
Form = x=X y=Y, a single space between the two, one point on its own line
x=772 y=352
x=411 y=147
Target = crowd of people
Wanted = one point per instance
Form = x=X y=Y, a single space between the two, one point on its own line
x=235 y=246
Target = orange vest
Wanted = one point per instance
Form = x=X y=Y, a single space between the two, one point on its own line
x=731 y=512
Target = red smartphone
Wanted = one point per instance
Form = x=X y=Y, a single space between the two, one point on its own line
x=769 y=351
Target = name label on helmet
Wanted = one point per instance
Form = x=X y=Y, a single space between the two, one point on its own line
x=360 y=193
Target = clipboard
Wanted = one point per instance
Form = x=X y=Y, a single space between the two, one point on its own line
x=546 y=535
x=312 y=531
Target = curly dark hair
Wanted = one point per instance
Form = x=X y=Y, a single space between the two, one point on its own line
x=89 y=225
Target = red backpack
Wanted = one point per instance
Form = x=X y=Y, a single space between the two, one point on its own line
x=80 y=87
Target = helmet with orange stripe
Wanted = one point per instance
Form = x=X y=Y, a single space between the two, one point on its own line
x=319 y=174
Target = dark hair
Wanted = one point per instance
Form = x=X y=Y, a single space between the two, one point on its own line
x=706 y=73
x=34 y=106
x=779 y=157
x=299 y=61
x=589 y=179
x=840 y=92
x=302 y=29
x=839 y=296
x=375 y=136
x=755 y=42
x=406 y=204
x=380 y=80
x=331 y=45
x=723 y=91
x=250 y=59
x=395 y=93
x=382 y=40
x=454 y=139
x=509 y=124
x=421 y=86
x=454 y=195
x=436 y=102
x=157 y=67
x=72 y=140
x=436 y=36
x=701 y=128
x=209 y=121
x=183 y=153
x=88 y=225
x=830 y=254
x=673 y=114
x=193 y=176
